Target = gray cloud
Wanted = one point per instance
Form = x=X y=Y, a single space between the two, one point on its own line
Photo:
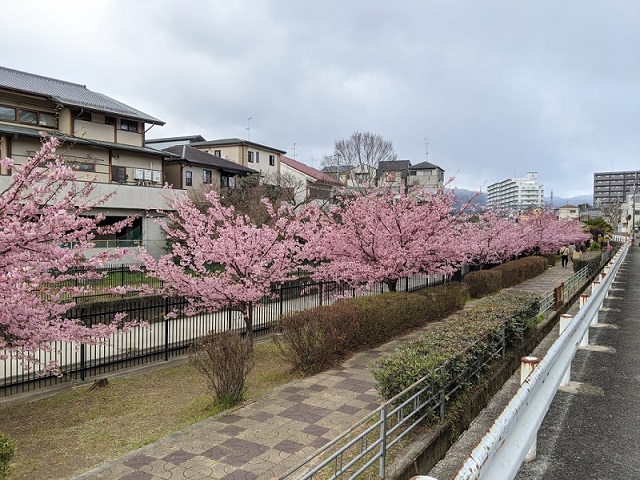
x=499 y=88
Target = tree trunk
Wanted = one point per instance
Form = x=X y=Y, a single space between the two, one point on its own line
x=247 y=316
x=392 y=284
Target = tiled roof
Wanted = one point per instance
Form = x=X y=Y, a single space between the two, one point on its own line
x=424 y=166
x=198 y=157
x=337 y=168
x=394 y=166
x=69 y=94
x=234 y=141
x=70 y=139
x=310 y=171
x=192 y=138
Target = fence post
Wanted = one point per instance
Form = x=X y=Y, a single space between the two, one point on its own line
x=83 y=361
x=320 y=293
x=565 y=320
x=383 y=442
x=281 y=300
x=528 y=365
x=229 y=318
x=166 y=329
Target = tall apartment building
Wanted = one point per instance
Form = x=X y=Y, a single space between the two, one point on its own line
x=516 y=193
x=611 y=187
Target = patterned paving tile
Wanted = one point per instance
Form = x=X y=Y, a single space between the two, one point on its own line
x=305 y=413
x=139 y=461
x=178 y=457
x=348 y=409
x=315 y=430
x=231 y=430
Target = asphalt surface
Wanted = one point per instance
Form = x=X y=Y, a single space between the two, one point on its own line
x=592 y=428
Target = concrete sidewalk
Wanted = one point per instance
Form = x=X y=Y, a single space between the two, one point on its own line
x=266 y=438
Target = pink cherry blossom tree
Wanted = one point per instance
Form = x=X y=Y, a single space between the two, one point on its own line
x=222 y=259
x=44 y=236
x=546 y=233
x=494 y=238
x=381 y=236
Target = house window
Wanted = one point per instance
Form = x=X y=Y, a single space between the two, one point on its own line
x=110 y=120
x=129 y=125
x=250 y=158
x=85 y=167
x=206 y=176
x=47 y=120
x=257 y=157
x=86 y=116
x=7 y=113
x=188 y=178
x=272 y=160
x=217 y=153
x=28 y=117
x=119 y=174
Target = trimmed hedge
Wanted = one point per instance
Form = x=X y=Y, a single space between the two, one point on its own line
x=592 y=259
x=314 y=340
x=485 y=282
x=459 y=344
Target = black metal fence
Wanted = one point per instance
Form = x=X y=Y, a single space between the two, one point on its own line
x=164 y=337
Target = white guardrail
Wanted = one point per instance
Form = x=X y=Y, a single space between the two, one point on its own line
x=512 y=437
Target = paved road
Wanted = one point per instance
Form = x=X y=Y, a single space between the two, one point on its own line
x=592 y=429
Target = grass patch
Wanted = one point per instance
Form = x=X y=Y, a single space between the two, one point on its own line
x=68 y=433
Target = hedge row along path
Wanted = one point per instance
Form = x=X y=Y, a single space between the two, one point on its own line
x=266 y=438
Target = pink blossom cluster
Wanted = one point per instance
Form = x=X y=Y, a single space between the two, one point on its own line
x=44 y=235
x=222 y=259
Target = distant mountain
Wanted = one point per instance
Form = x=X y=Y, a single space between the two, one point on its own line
x=575 y=201
x=464 y=195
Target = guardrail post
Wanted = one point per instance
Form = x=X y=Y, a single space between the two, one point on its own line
x=594 y=286
x=585 y=340
x=565 y=320
x=527 y=365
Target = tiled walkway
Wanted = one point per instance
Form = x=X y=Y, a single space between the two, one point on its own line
x=266 y=438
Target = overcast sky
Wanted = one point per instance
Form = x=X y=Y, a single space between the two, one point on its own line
x=499 y=88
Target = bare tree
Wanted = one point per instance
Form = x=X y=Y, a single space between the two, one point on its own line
x=360 y=155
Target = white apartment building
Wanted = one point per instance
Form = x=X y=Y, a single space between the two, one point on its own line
x=516 y=193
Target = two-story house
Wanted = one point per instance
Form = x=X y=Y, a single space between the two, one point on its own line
x=261 y=158
x=201 y=172
x=102 y=137
x=306 y=183
x=426 y=175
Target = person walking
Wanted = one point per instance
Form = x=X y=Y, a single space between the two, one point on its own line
x=564 y=255
x=572 y=248
x=576 y=255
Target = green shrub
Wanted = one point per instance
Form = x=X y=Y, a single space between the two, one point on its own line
x=483 y=282
x=314 y=340
x=592 y=259
x=7 y=451
x=457 y=345
x=226 y=360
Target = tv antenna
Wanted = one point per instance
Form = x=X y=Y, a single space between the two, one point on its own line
x=426 y=149
x=249 y=128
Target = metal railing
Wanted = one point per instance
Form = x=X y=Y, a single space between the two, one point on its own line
x=369 y=443
x=502 y=450
x=165 y=338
